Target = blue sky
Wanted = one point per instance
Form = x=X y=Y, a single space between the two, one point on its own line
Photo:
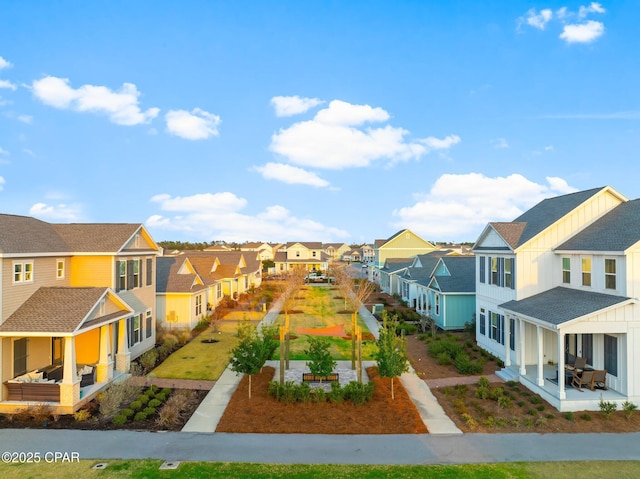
x=313 y=121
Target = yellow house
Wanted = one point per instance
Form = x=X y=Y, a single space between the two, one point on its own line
x=77 y=303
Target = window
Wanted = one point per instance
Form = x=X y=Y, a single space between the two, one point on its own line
x=494 y=270
x=611 y=354
x=19 y=356
x=297 y=254
x=437 y=304
x=483 y=321
x=198 y=305
x=587 y=347
x=134 y=330
x=137 y=280
x=122 y=275
x=23 y=272
x=512 y=334
x=483 y=267
x=610 y=274
x=148 y=327
x=508 y=277
x=149 y=271
x=313 y=254
x=60 y=269
x=586 y=271
x=497 y=327
x=566 y=270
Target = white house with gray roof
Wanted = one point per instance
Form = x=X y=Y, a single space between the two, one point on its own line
x=562 y=280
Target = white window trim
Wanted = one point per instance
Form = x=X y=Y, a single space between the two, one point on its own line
x=60 y=272
x=22 y=273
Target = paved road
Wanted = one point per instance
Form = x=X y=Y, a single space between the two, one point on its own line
x=326 y=449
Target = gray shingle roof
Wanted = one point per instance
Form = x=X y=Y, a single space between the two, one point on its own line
x=22 y=234
x=616 y=231
x=463 y=275
x=548 y=211
x=559 y=305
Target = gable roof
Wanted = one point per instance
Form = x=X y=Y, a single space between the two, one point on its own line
x=59 y=310
x=550 y=210
x=560 y=305
x=462 y=274
x=391 y=265
x=618 y=230
x=171 y=279
x=23 y=234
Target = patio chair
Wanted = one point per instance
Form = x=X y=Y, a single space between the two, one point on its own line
x=578 y=365
x=600 y=379
x=584 y=378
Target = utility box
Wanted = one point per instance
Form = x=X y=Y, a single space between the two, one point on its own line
x=377 y=308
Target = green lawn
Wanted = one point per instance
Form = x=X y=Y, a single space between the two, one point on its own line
x=198 y=360
x=319 y=307
x=150 y=469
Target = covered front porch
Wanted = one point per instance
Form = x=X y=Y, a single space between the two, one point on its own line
x=548 y=331
x=68 y=363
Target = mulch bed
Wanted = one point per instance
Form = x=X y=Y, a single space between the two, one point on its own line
x=264 y=414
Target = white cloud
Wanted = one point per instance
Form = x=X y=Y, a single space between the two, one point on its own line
x=336 y=139
x=548 y=148
x=3 y=151
x=195 y=125
x=293 y=105
x=28 y=119
x=458 y=207
x=2 y=182
x=594 y=7
x=4 y=63
x=60 y=212
x=538 y=20
x=500 y=143
x=582 y=33
x=290 y=174
x=121 y=106
x=219 y=216
x=8 y=84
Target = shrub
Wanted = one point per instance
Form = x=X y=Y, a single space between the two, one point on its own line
x=502 y=422
x=288 y=392
x=148 y=360
x=119 y=420
x=541 y=421
x=461 y=389
x=535 y=400
x=136 y=405
x=161 y=396
x=318 y=395
x=273 y=389
x=81 y=415
x=114 y=396
x=532 y=412
x=169 y=414
x=489 y=422
x=607 y=408
x=184 y=337
x=569 y=416
x=586 y=417
x=149 y=411
x=465 y=366
x=504 y=402
x=529 y=422
x=303 y=393
x=496 y=393
x=444 y=359
x=482 y=392
x=629 y=408
x=550 y=416
x=127 y=412
x=511 y=383
x=154 y=403
x=358 y=393
x=336 y=394
x=541 y=407
x=166 y=391
x=140 y=416
x=143 y=398
x=469 y=421
x=459 y=406
x=448 y=346
x=515 y=422
x=521 y=403
x=483 y=382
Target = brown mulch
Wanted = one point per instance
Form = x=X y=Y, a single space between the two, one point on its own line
x=264 y=414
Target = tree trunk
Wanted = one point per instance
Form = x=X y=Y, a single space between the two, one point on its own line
x=392 y=394
x=353 y=341
x=249 y=386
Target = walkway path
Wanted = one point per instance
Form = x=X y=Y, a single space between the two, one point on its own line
x=442 y=382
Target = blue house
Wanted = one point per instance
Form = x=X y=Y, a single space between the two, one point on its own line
x=451 y=293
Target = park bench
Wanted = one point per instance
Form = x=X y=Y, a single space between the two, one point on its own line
x=312 y=378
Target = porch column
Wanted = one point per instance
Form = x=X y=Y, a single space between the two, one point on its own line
x=507 y=342
x=123 y=358
x=561 y=391
x=523 y=367
x=540 y=356
x=70 y=385
x=104 y=371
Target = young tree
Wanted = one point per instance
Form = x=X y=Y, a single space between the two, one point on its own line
x=251 y=352
x=320 y=361
x=392 y=350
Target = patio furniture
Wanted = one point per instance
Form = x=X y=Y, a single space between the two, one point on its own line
x=600 y=379
x=578 y=364
x=582 y=378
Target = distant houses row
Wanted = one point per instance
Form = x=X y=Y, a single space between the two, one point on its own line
x=78 y=302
